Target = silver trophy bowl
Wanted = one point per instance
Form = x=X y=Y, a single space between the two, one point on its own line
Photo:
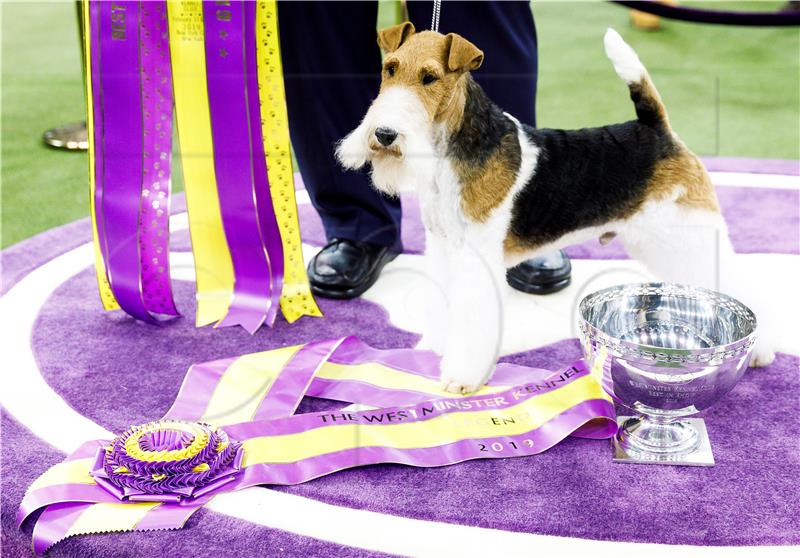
x=665 y=351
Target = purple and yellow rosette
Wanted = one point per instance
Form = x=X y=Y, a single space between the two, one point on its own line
x=167 y=461
x=154 y=476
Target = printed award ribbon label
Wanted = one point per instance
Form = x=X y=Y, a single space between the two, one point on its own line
x=232 y=426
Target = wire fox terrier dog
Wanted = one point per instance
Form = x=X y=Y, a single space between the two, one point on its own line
x=494 y=192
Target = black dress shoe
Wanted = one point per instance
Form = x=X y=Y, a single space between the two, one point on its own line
x=347 y=268
x=541 y=275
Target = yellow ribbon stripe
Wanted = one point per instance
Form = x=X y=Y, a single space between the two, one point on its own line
x=296 y=298
x=443 y=429
x=106 y=295
x=67 y=472
x=243 y=386
x=212 y=260
x=106 y=518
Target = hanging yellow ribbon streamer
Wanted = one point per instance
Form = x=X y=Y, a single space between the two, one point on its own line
x=106 y=295
x=296 y=298
x=212 y=259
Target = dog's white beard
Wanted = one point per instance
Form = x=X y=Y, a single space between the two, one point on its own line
x=392 y=175
x=410 y=162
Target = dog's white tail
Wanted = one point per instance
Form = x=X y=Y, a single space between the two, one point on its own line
x=649 y=107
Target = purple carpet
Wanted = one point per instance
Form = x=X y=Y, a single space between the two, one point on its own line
x=789 y=167
x=132 y=372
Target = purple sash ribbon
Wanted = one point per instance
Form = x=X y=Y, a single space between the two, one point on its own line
x=584 y=415
x=240 y=164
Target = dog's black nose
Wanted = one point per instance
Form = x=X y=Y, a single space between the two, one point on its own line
x=386 y=136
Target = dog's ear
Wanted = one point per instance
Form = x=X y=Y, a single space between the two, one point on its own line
x=463 y=55
x=392 y=37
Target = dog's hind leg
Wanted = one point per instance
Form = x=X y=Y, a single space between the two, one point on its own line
x=679 y=244
x=684 y=244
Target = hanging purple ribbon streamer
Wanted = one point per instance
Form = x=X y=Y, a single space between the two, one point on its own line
x=157 y=117
x=240 y=184
x=268 y=223
x=121 y=85
x=132 y=97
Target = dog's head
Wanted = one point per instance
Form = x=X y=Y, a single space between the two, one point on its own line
x=421 y=88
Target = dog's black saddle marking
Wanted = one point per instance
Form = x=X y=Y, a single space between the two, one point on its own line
x=586 y=177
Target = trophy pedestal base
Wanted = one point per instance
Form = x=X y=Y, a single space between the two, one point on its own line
x=700 y=456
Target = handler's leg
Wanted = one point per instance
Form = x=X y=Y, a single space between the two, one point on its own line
x=332 y=69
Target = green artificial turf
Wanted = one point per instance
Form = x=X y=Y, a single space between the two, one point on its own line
x=730 y=91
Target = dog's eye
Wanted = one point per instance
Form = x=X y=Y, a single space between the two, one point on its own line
x=390 y=70
x=427 y=79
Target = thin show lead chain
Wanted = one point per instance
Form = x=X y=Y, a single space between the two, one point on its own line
x=437 y=9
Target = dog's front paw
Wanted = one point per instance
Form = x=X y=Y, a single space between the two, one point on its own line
x=462 y=375
x=452 y=385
